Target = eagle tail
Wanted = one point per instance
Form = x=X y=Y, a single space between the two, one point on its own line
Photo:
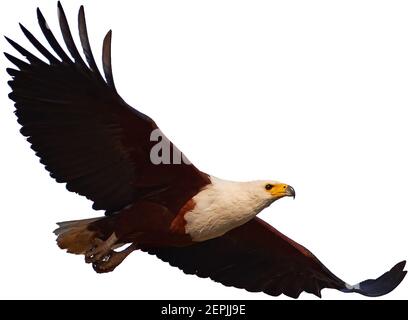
x=76 y=236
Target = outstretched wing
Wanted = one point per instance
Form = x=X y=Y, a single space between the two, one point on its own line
x=82 y=130
x=258 y=258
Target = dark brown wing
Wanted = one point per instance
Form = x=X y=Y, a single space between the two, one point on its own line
x=257 y=257
x=84 y=133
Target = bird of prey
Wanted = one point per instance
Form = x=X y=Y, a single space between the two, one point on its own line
x=88 y=137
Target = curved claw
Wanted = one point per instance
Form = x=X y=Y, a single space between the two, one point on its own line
x=99 y=251
x=112 y=260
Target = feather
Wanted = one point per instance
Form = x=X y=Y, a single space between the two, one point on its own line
x=83 y=34
x=17 y=62
x=107 y=63
x=69 y=41
x=39 y=46
x=30 y=57
x=51 y=38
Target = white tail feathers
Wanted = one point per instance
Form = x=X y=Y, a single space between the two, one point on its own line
x=75 y=235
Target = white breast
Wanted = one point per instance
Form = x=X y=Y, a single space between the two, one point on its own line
x=222 y=206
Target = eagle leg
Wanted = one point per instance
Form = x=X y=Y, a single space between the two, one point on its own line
x=101 y=249
x=113 y=259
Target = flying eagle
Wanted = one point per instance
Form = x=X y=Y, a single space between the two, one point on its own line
x=88 y=137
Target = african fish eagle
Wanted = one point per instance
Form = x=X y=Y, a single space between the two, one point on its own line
x=88 y=137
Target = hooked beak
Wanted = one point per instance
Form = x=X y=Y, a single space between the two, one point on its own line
x=283 y=190
x=290 y=192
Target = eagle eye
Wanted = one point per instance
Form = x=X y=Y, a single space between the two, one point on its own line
x=268 y=186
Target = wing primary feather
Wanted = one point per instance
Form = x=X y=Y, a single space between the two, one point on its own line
x=50 y=57
x=30 y=57
x=51 y=38
x=17 y=62
x=12 y=72
x=107 y=61
x=67 y=35
x=83 y=34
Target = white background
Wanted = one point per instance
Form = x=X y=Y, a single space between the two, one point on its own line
x=312 y=93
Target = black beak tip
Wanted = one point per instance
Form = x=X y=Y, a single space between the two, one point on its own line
x=291 y=192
